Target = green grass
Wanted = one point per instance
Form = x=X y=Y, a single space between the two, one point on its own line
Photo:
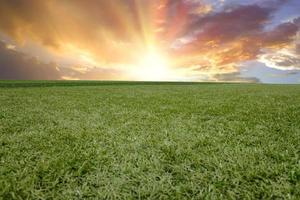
x=124 y=140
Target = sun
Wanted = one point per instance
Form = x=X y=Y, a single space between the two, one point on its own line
x=152 y=66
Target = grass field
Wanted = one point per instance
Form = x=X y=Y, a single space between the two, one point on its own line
x=125 y=140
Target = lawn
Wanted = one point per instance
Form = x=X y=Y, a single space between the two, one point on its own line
x=126 y=140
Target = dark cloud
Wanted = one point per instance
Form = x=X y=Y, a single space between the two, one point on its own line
x=235 y=77
x=16 y=65
x=282 y=35
x=286 y=74
x=235 y=35
x=226 y=26
x=297 y=49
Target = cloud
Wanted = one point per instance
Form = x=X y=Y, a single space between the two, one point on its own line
x=282 y=35
x=16 y=65
x=297 y=49
x=235 y=77
x=228 y=38
x=97 y=26
x=94 y=73
x=229 y=25
x=284 y=59
x=285 y=75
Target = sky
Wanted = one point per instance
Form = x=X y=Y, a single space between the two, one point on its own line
x=151 y=40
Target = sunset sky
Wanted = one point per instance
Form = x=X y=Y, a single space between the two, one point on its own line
x=151 y=40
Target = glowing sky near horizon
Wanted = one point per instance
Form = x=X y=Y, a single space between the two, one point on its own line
x=152 y=40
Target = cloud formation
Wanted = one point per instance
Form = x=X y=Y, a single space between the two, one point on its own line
x=235 y=77
x=16 y=65
x=202 y=37
x=224 y=39
x=284 y=59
